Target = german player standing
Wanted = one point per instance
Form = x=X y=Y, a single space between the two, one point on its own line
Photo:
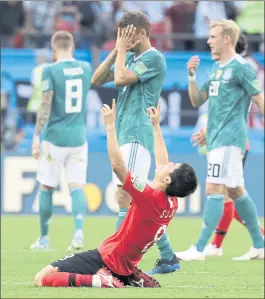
x=154 y=204
x=138 y=70
x=231 y=86
x=65 y=84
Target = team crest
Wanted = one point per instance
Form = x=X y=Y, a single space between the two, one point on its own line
x=227 y=74
x=218 y=74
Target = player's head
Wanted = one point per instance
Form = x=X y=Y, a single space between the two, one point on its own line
x=241 y=47
x=177 y=179
x=62 y=41
x=223 y=35
x=140 y=21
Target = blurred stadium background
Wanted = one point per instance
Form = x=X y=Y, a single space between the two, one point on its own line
x=178 y=28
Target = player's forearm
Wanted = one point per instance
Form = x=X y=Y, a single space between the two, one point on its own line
x=260 y=103
x=115 y=156
x=102 y=72
x=119 y=68
x=161 y=154
x=261 y=107
x=197 y=97
x=44 y=112
x=42 y=117
x=259 y=100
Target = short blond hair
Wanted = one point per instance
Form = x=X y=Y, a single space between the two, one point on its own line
x=230 y=28
x=62 y=40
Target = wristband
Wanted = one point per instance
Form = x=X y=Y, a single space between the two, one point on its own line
x=192 y=78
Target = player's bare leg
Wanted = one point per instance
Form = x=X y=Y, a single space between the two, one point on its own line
x=248 y=213
x=212 y=214
x=45 y=211
x=51 y=277
x=79 y=212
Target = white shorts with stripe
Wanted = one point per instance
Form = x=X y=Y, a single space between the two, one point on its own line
x=225 y=166
x=137 y=160
x=53 y=158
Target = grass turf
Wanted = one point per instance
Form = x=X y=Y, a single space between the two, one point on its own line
x=217 y=277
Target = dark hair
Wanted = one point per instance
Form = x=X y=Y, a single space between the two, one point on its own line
x=136 y=18
x=183 y=181
x=242 y=44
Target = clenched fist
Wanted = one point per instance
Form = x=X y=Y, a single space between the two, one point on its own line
x=193 y=64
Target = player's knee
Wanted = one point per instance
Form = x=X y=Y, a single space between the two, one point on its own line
x=123 y=198
x=227 y=198
x=235 y=193
x=46 y=188
x=215 y=189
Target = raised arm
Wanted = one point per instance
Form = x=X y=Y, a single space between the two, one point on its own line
x=103 y=73
x=125 y=41
x=197 y=96
x=161 y=154
x=116 y=160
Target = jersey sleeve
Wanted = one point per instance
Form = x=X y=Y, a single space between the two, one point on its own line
x=46 y=80
x=128 y=55
x=248 y=80
x=135 y=187
x=148 y=67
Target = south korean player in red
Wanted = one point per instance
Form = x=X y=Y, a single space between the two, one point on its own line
x=114 y=263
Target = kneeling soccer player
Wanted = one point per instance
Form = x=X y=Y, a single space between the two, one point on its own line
x=114 y=263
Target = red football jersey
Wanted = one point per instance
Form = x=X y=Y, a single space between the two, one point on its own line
x=145 y=223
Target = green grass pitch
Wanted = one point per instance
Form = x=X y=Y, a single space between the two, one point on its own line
x=217 y=277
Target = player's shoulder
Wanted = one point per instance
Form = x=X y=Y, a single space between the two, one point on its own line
x=153 y=53
x=154 y=56
x=240 y=63
x=84 y=64
x=47 y=69
x=139 y=184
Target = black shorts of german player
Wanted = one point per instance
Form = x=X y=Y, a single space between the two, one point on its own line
x=90 y=261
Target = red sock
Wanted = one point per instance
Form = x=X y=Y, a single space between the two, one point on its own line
x=65 y=279
x=224 y=224
x=237 y=217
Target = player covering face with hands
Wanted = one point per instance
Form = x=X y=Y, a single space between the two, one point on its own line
x=114 y=263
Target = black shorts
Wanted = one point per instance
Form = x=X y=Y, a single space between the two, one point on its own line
x=245 y=158
x=87 y=262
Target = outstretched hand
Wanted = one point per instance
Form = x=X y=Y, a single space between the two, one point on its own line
x=199 y=138
x=109 y=114
x=154 y=114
